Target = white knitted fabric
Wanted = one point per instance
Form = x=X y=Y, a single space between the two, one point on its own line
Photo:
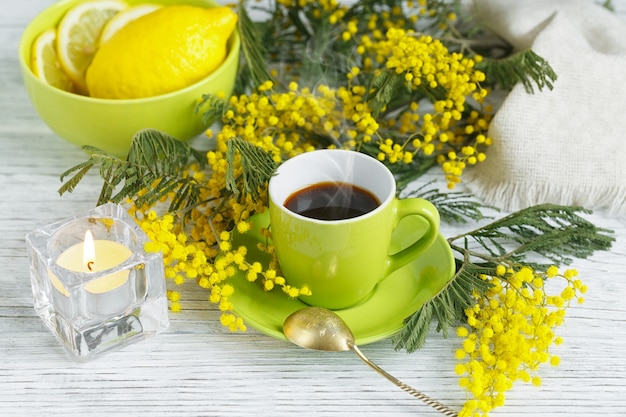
x=566 y=145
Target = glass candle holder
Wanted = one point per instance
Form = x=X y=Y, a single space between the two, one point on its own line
x=94 y=285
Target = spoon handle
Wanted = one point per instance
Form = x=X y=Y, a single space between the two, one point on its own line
x=420 y=395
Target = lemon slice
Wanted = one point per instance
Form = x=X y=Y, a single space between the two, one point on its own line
x=45 y=64
x=78 y=34
x=122 y=18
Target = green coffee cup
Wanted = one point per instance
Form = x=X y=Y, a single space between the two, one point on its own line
x=339 y=258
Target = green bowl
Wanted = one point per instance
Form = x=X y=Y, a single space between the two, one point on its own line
x=110 y=124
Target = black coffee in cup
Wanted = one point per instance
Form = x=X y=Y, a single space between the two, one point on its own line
x=332 y=201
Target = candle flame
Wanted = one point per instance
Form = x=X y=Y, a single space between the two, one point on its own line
x=89 y=251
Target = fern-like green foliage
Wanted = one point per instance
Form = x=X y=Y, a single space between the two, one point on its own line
x=156 y=163
x=253 y=50
x=453 y=207
x=608 y=4
x=383 y=89
x=550 y=232
x=212 y=108
x=525 y=67
x=448 y=308
x=556 y=233
x=257 y=167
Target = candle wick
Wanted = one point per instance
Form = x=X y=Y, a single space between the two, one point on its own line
x=90 y=264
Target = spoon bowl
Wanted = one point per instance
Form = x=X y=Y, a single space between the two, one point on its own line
x=321 y=329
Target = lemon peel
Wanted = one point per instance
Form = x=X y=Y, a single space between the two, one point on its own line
x=160 y=52
x=123 y=18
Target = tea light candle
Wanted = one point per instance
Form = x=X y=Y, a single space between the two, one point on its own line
x=94 y=285
x=97 y=255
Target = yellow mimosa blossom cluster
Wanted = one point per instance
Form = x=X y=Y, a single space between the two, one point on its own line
x=269 y=274
x=201 y=249
x=288 y=123
x=510 y=331
x=182 y=258
x=438 y=121
x=210 y=266
x=447 y=128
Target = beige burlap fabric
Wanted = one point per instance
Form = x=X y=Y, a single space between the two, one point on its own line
x=566 y=145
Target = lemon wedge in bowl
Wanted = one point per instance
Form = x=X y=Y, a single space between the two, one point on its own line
x=45 y=63
x=78 y=34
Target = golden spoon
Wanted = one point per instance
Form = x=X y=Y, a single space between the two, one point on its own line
x=321 y=329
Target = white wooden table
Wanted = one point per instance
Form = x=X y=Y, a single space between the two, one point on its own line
x=197 y=368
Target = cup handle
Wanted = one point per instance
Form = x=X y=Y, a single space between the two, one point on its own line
x=413 y=207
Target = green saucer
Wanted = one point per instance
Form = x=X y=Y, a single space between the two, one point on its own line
x=379 y=316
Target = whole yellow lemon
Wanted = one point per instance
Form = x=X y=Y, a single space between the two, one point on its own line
x=163 y=51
